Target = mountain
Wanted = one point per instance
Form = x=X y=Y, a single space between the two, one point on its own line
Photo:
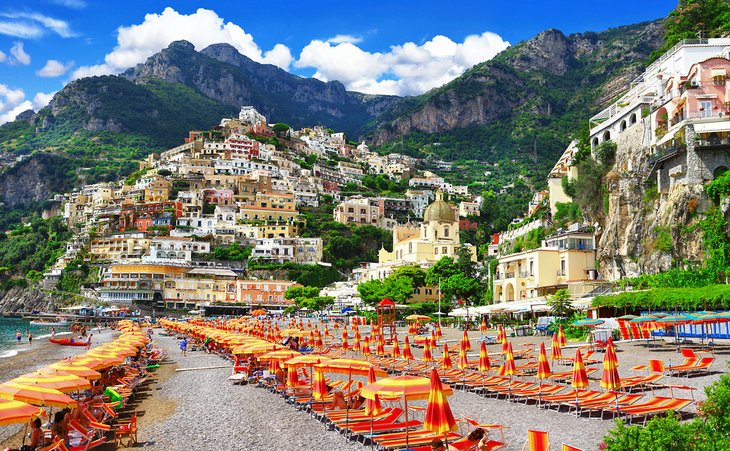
x=221 y=73
x=524 y=102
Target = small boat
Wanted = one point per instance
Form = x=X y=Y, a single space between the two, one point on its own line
x=59 y=321
x=67 y=341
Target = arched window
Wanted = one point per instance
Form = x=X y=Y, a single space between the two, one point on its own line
x=595 y=142
x=632 y=119
x=623 y=125
x=606 y=135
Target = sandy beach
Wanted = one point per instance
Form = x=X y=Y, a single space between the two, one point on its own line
x=31 y=358
x=202 y=409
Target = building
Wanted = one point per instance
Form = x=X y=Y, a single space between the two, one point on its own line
x=359 y=210
x=256 y=120
x=283 y=250
x=119 y=247
x=563 y=168
x=468 y=209
x=565 y=260
x=199 y=287
x=126 y=283
x=175 y=250
x=264 y=293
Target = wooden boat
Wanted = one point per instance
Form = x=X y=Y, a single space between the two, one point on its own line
x=55 y=322
x=67 y=341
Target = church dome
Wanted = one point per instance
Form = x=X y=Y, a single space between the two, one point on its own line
x=439 y=210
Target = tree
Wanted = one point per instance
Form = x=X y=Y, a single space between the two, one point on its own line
x=462 y=287
x=560 y=303
x=280 y=129
x=300 y=292
x=464 y=264
x=371 y=291
x=443 y=269
x=692 y=17
x=396 y=288
x=415 y=273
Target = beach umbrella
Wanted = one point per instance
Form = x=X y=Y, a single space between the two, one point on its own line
x=465 y=343
x=508 y=368
x=580 y=378
x=281 y=354
x=407 y=354
x=396 y=349
x=427 y=357
x=292 y=378
x=432 y=340
x=411 y=329
x=408 y=387
x=505 y=346
x=373 y=408
x=274 y=366
x=561 y=337
x=501 y=335
x=676 y=321
x=556 y=352
x=319 y=386
x=14 y=412
x=356 y=341
x=366 y=347
x=462 y=363
x=543 y=369
x=76 y=369
x=62 y=382
x=610 y=379
x=438 y=332
x=380 y=348
x=38 y=396
x=445 y=358
x=418 y=317
x=484 y=363
x=588 y=322
x=483 y=326
x=345 y=345
x=438 y=418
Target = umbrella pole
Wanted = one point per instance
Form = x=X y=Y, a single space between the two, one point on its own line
x=372 y=442
x=347 y=405
x=405 y=403
x=25 y=433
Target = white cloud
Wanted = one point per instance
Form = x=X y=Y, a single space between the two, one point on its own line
x=10 y=114
x=342 y=38
x=136 y=43
x=3 y=56
x=407 y=69
x=19 y=55
x=42 y=99
x=73 y=4
x=21 y=30
x=54 y=68
x=34 y=25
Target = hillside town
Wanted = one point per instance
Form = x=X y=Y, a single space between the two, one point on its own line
x=153 y=236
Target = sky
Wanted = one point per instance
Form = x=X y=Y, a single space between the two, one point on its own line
x=381 y=47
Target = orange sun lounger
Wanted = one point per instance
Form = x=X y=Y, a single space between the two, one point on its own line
x=651 y=407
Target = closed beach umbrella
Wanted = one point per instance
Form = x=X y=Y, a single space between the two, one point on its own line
x=445 y=358
x=13 y=412
x=438 y=332
x=556 y=352
x=356 y=341
x=366 y=347
x=38 y=396
x=412 y=328
x=508 y=368
x=610 y=379
x=561 y=337
x=380 y=349
x=543 y=369
x=396 y=348
x=465 y=343
x=580 y=378
x=505 y=346
x=319 y=386
x=484 y=363
x=438 y=418
x=462 y=363
x=407 y=354
x=432 y=341
x=483 y=326
x=427 y=357
x=501 y=335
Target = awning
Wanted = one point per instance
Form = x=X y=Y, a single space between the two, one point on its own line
x=713 y=127
x=718 y=73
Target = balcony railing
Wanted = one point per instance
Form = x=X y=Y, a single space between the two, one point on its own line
x=525 y=274
x=509 y=275
x=560 y=273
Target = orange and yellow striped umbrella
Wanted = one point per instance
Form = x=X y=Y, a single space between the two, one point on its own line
x=580 y=378
x=305 y=360
x=556 y=352
x=439 y=418
x=366 y=347
x=76 y=369
x=561 y=337
x=38 y=396
x=445 y=358
x=281 y=354
x=508 y=368
x=380 y=349
x=462 y=363
x=484 y=363
x=483 y=326
x=610 y=379
x=543 y=367
x=432 y=341
x=13 y=412
x=292 y=378
x=501 y=335
x=412 y=328
x=505 y=346
x=407 y=354
x=438 y=332
x=62 y=382
x=351 y=367
x=356 y=341
x=345 y=345
x=427 y=357
x=319 y=387
x=396 y=349
x=255 y=349
x=274 y=366
x=465 y=343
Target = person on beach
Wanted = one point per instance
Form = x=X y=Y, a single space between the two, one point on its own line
x=53 y=332
x=88 y=341
x=37 y=436
x=30 y=338
x=58 y=428
x=339 y=402
x=183 y=346
x=18 y=336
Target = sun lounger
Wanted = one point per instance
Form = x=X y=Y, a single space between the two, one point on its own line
x=702 y=365
x=386 y=426
x=571 y=395
x=567 y=447
x=639 y=382
x=493 y=444
x=537 y=393
x=567 y=376
x=689 y=362
x=651 y=407
x=599 y=403
x=419 y=437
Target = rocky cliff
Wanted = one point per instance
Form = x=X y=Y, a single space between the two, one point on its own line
x=20 y=300
x=221 y=73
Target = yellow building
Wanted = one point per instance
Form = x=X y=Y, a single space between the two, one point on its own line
x=284 y=201
x=566 y=260
x=200 y=286
x=141 y=282
x=158 y=190
x=252 y=213
x=119 y=247
x=423 y=245
x=563 y=168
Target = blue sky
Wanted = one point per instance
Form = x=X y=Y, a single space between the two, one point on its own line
x=390 y=47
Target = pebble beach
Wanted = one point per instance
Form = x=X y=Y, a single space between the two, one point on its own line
x=202 y=409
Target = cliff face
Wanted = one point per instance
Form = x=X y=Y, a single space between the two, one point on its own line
x=19 y=300
x=220 y=72
x=34 y=179
x=538 y=82
x=644 y=231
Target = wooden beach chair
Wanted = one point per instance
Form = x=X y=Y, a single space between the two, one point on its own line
x=126 y=429
x=536 y=441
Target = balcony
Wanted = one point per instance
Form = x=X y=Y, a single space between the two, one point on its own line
x=509 y=275
x=526 y=274
x=560 y=273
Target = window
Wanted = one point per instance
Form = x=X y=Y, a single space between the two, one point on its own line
x=446 y=232
x=705 y=108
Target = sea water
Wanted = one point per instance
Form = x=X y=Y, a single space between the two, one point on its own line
x=10 y=326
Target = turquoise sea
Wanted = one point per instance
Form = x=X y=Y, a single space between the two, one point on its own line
x=8 y=329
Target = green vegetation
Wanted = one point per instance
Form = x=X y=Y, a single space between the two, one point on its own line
x=692 y=18
x=530 y=240
x=708 y=431
x=708 y=297
x=663 y=242
x=234 y=252
x=33 y=247
x=309 y=275
x=566 y=213
x=308 y=297
x=560 y=303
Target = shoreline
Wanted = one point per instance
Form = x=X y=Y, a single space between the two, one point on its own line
x=30 y=358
